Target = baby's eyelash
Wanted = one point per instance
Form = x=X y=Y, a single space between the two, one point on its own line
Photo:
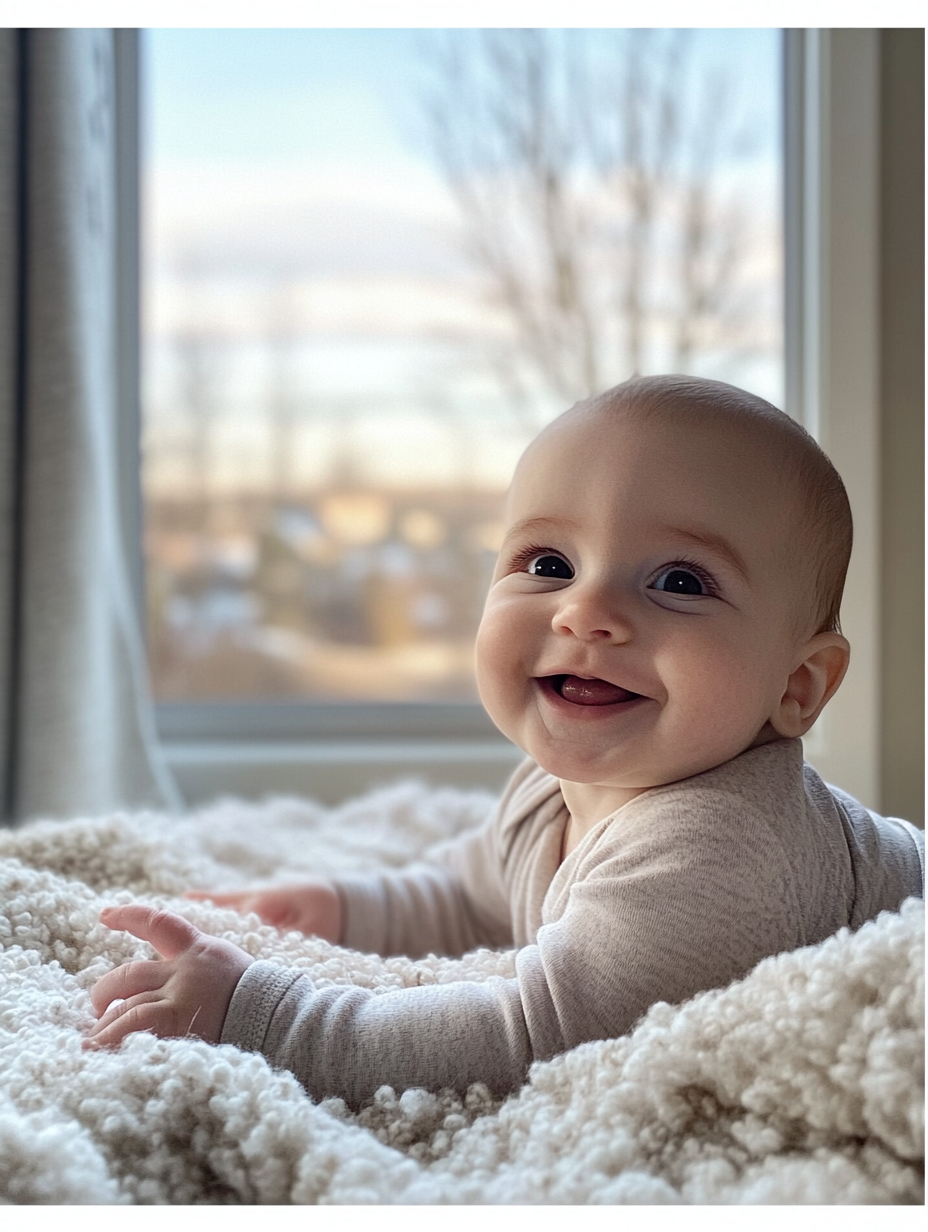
x=523 y=556
x=692 y=566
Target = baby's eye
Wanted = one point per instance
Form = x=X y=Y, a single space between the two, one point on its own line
x=549 y=565
x=678 y=581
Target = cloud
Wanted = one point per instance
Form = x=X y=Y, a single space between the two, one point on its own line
x=308 y=219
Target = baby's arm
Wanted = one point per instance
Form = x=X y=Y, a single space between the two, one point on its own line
x=455 y=900
x=445 y=1036
x=453 y=903
x=186 y=993
x=659 y=911
x=312 y=907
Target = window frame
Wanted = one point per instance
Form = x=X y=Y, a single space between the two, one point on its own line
x=831 y=309
x=832 y=319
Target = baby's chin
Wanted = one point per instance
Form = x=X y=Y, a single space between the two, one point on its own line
x=586 y=771
x=631 y=779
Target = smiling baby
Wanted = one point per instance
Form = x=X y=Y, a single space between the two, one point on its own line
x=661 y=629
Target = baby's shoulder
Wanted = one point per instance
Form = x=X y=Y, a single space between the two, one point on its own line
x=757 y=803
x=762 y=780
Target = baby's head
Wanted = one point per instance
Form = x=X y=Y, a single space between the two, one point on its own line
x=667 y=594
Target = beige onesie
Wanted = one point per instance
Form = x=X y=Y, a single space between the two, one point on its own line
x=684 y=888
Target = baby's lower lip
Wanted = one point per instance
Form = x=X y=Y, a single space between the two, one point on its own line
x=588 y=692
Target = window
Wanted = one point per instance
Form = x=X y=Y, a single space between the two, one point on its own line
x=376 y=262
x=462 y=369
x=841 y=272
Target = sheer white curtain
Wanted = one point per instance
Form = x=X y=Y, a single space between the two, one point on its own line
x=76 y=727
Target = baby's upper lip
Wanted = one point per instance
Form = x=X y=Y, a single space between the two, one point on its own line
x=585 y=674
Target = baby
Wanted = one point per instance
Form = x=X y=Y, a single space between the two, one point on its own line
x=661 y=629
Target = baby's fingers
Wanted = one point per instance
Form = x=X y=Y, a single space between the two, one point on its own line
x=113 y=1011
x=127 y=981
x=170 y=934
x=146 y=1012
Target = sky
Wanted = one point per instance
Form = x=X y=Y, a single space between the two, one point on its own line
x=286 y=172
x=271 y=96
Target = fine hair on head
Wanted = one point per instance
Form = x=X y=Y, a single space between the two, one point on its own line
x=797 y=456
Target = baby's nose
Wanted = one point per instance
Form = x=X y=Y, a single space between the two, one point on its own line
x=592 y=613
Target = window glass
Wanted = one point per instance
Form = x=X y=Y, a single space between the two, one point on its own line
x=375 y=263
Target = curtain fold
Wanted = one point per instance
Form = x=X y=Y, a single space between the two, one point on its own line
x=77 y=733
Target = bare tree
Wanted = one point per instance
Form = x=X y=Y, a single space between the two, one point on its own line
x=507 y=147
x=197 y=364
x=284 y=334
x=634 y=131
x=587 y=173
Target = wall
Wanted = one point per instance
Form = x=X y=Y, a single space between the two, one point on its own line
x=902 y=399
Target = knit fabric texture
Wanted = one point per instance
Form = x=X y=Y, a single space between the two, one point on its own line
x=801 y=1083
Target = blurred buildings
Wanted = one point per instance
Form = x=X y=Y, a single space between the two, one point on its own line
x=343 y=594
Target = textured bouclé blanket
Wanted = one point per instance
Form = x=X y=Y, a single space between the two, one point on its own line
x=804 y=1082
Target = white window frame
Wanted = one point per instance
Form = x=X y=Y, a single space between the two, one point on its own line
x=832 y=366
x=832 y=314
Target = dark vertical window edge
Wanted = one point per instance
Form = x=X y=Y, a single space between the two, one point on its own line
x=19 y=434
x=127 y=107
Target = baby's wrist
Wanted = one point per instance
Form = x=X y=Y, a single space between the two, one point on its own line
x=227 y=964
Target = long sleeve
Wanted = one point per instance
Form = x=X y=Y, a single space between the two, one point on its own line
x=463 y=897
x=435 y=907
x=350 y=1041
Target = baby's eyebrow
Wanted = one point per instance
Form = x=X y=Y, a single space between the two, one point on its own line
x=540 y=523
x=715 y=543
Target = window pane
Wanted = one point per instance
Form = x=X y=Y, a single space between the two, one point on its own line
x=376 y=262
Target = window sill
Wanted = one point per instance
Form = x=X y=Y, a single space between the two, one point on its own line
x=331 y=771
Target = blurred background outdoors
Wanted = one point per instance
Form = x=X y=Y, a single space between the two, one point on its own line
x=375 y=263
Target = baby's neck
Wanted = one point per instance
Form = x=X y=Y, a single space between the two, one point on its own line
x=588 y=804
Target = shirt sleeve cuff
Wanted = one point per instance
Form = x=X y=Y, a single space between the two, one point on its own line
x=254 y=1004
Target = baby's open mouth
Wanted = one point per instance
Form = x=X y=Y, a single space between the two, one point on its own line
x=593 y=692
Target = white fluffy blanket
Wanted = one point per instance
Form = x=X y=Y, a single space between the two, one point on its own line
x=802 y=1083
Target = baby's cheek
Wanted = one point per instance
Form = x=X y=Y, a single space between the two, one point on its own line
x=728 y=701
x=497 y=665
x=487 y=661
x=487 y=646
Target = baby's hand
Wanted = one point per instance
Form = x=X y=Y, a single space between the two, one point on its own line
x=313 y=907
x=186 y=993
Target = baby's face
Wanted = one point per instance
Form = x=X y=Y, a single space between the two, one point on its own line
x=642 y=621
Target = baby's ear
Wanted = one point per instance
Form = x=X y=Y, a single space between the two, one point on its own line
x=812 y=683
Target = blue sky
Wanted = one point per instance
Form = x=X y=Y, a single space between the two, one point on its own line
x=279 y=95
x=272 y=96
